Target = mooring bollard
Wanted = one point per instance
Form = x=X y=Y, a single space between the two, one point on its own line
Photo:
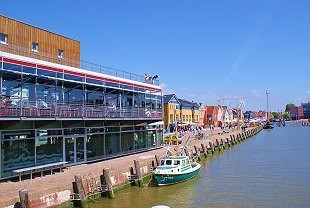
x=24 y=199
x=138 y=172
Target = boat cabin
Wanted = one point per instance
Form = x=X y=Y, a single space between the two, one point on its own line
x=175 y=161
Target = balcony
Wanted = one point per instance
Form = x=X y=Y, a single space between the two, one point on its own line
x=27 y=52
x=48 y=110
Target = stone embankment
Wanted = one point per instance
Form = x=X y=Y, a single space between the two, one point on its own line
x=55 y=189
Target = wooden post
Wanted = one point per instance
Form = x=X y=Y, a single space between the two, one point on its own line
x=186 y=151
x=204 y=150
x=212 y=148
x=78 y=188
x=228 y=142
x=223 y=143
x=138 y=172
x=24 y=199
x=157 y=160
x=197 y=153
x=218 y=144
x=108 y=182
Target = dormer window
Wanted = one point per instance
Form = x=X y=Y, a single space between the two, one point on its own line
x=3 y=38
x=35 y=47
x=60 y=53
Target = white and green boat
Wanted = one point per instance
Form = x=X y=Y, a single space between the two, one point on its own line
x=175 y=169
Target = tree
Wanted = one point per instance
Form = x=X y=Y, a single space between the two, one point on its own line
x=288 y=107
x=286 y=115
x=275 y=115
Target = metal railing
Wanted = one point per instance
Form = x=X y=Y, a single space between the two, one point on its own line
x=51 y=109
x=27 y=52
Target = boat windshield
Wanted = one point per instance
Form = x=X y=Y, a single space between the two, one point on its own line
x=177 y=162
x=168 y=162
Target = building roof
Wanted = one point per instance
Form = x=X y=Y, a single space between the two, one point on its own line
x=167 y=98
x=189 y=104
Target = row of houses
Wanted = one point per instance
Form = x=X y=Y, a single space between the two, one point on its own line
x=180 y=111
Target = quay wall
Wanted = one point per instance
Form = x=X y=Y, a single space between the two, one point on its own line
x=53 y=196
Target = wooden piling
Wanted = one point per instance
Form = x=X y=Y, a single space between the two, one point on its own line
x=212 y=147
x=138 y=172
x=186 y=151
x=218 y=144
x=24 y=198
x=157 y=160
x=108 y=182
x=204 y=150
x=197 y=153
x=228 y=142
x=223 y=143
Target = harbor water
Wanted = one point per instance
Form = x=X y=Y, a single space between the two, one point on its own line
x=271 y=169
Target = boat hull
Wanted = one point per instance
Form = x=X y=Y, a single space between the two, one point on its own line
x=169 y=179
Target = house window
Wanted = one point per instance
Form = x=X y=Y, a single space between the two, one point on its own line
x=3 y=38
x=60 y=53
x=35 y=46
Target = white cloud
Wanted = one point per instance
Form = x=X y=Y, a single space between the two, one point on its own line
x=308 y=91
x=255 y=93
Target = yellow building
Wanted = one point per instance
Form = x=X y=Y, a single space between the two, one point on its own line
x=179 y=111
x=172 y=112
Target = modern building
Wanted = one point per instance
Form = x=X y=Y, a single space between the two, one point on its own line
x=56 y=108
x=306 y=110
x=297 y=112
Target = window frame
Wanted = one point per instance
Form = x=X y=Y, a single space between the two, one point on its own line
x=5 y=37
x=35 y=46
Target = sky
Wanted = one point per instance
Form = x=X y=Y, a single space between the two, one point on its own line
x=203 y=51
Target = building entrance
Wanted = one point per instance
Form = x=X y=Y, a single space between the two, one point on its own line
x=75 y=149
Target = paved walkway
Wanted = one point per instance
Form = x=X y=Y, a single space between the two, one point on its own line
x=41 y=186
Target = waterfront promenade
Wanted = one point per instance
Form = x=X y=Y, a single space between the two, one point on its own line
x=44 y=188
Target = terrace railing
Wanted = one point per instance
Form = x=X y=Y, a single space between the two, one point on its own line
x=20 y=50
x=51 y=109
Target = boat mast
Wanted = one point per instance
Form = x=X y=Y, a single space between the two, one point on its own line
x=267 y=93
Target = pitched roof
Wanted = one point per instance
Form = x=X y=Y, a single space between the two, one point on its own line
x=167 y=98
x=186 y=103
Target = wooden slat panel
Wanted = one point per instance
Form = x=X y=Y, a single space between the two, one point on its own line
x=23 y=35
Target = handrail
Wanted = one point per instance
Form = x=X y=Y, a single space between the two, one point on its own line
x=42 y=108
x=20 y=50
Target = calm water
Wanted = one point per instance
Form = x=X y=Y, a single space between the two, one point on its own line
x=271 y=169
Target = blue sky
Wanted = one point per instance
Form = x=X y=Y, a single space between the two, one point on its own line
x=202 y=50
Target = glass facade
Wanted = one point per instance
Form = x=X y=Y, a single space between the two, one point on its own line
x=66 y=102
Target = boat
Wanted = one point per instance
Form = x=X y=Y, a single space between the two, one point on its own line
x=268 y=125
x=175 y=169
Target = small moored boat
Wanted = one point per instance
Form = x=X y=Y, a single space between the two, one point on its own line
x=175 y=169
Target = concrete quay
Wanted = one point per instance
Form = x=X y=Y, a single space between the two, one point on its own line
x=55 y=189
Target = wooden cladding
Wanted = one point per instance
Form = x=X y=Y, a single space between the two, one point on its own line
x=21 y=37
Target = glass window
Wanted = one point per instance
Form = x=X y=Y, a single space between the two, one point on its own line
x=35 y=47
x=3 y=38
x=127 y=142
x=12 y=67
x=11 y=87
x=112 y=143
x=29 y=70
x=16 y=154
x=46 y=73
x=168 y=162
x=49 y=149
x=140 y=140
x=60 y=53
x=73 y=78
x=95 y=146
